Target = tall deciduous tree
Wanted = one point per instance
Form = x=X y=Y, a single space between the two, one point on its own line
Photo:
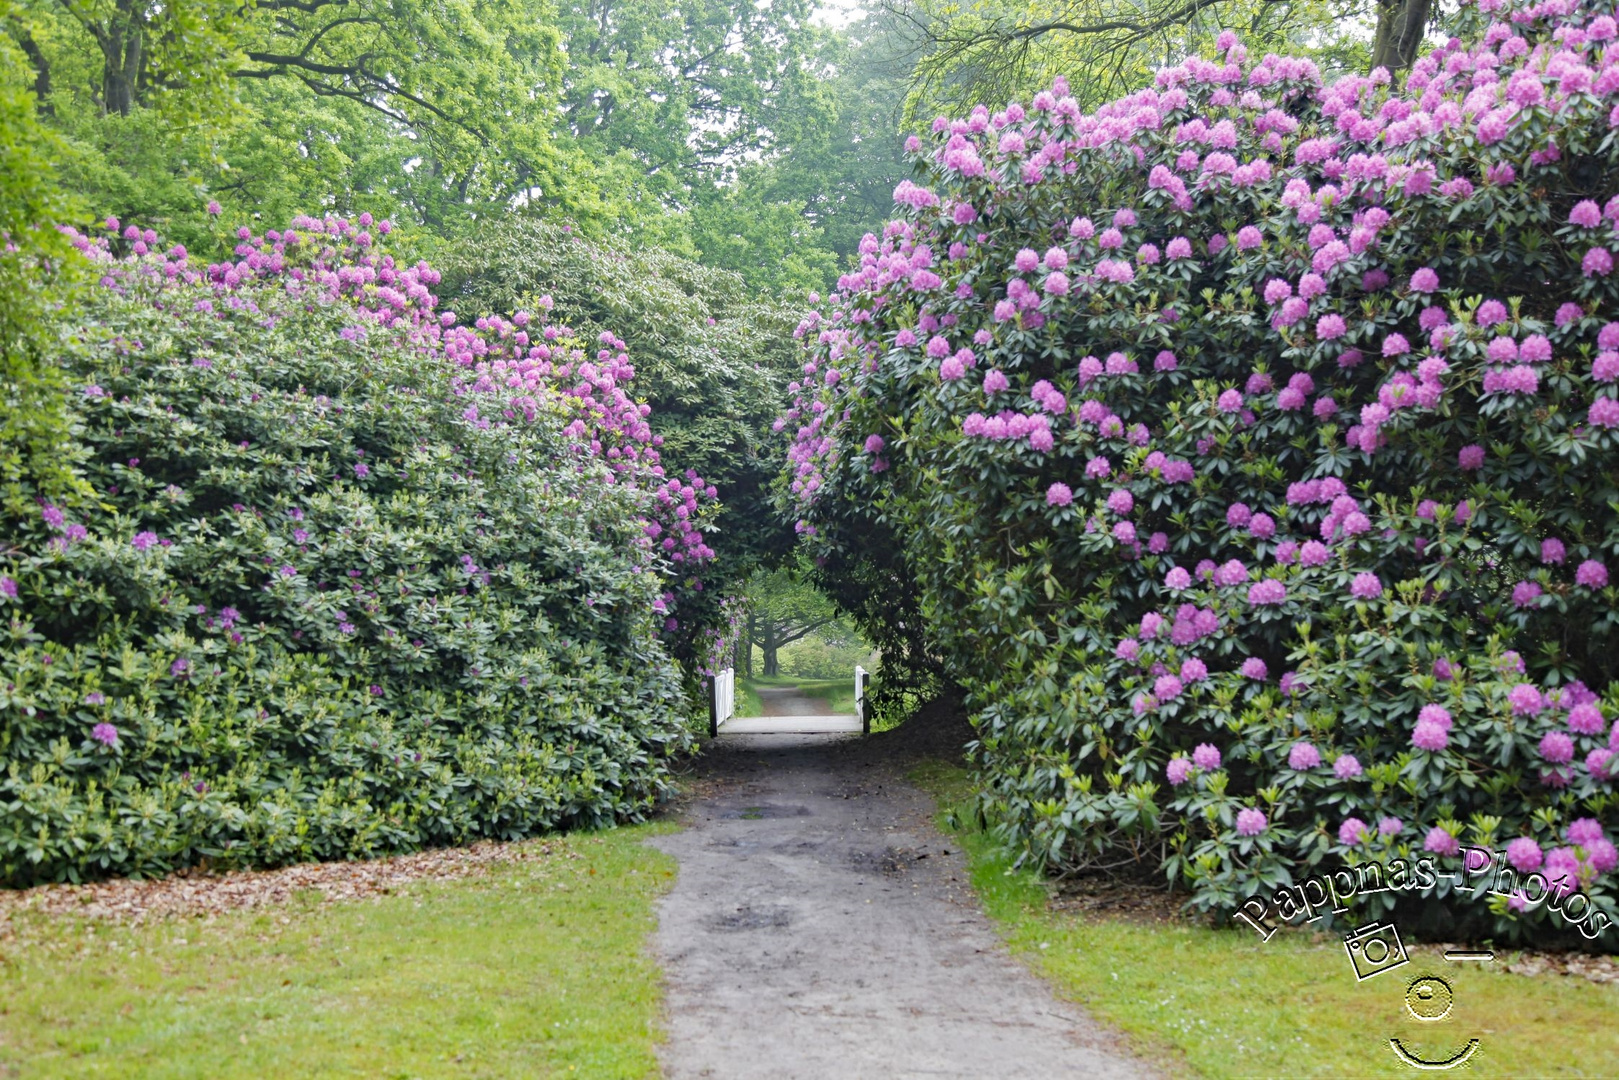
x=782 y=609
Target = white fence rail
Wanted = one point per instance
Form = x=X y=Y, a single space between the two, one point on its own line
x=722 y=702
x=721 y=699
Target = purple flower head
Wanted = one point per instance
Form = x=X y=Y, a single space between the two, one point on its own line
x=1592 y=575
x=105 y=734
x=1582 y=832
x=1525 y=855
x=1177 y=579
x=1366 y=586
x=1435 y=714
x=1346 y=767
x=143 y=540
x=1389 y=826
x=1206 y=757
x=1352 y=832
x=1167 y=688
x=1250 y=822
x=1254 y=668
x=1557 y=748
x=1121 y=501
x=1194 y=670
x=1525 y=700
x=1178 y=770
x=8 y=588
x=1059 y=495
x=1303 y=756
x=1525 y=594
x=1586 y=719
x=1230 y=401
x=179 y=668
x=1429 y=736
x=1440 y=842
x=1127 y=649
x=1552 y=551
x=1585 y=214
x=1266 y=591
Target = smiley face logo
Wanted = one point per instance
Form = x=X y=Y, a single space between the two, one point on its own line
x=1429 y=999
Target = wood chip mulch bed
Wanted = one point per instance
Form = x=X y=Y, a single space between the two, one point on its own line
x=198 y=893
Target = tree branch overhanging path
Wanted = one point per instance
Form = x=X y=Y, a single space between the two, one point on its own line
x=991 y=50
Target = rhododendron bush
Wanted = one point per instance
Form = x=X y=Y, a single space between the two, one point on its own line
x=354 y=578
x=1254 y=444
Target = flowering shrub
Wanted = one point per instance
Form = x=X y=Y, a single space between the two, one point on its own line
x=1254 y=445
x=712 y=360
x=354 y=578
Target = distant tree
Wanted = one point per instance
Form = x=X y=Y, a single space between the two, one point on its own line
x=782 y=609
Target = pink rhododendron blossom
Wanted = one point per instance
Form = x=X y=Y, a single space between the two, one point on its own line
x=1250 y=822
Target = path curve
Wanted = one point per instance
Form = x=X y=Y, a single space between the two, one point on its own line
x=820 y=926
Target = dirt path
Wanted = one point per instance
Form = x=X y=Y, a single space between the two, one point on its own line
x=787 y=701
x=821 y=927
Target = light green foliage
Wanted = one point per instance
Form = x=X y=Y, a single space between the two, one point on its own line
x=1219 y=1002
x=446 y=109
x=537 y=968
x=827 y=655
x=34 y=265
x=783 y=608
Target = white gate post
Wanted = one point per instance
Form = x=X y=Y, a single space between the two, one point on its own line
x=721 y=699
x=860 y=699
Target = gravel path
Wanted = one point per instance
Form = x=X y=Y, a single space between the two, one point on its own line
x=821 y=927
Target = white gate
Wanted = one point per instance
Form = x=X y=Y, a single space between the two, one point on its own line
x=721 y=699
x=860 y=675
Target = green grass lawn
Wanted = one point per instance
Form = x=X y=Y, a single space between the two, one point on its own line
x=839 y=692
x=1221 y=1003
x=538 y=968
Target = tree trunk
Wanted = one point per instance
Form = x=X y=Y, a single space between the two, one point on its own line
x=42 y=68
x=123 y=52
x=746 y=646
x=1400 y=28
x=769 y=646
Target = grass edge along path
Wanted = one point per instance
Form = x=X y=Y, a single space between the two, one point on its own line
x=1219 y=1003
x=540 y=967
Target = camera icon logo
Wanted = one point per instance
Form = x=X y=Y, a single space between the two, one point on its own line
x=1374 y=949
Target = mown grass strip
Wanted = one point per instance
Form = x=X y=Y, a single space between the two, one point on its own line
x=1220 y=1003
x=537 y=968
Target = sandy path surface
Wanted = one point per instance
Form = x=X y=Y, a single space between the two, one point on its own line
x=822 y=927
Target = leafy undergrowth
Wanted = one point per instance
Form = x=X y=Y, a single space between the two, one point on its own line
x=536 y=968
x=1220 y=1003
